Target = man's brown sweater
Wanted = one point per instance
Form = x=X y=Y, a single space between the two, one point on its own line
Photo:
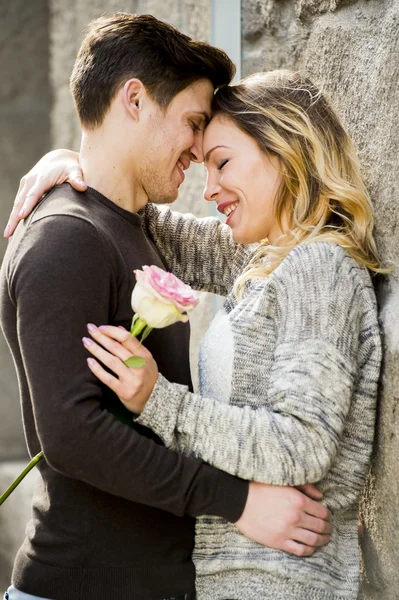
x=112 y=511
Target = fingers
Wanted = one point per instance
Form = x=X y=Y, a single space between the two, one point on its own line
x=117 y=341
x=304 y=504
x=310 y=538
x=117 y=333
x=109 y=380
x=114 y=347
x=31 y=189
x=113 y=361
x=29 y=195
x=311 y=491
x=123 y=337
x=29 y=202
x=317 y=525
x=133 y=385
x=298 y=549
x=33 y=185
x=18 y=203
x=316 y=509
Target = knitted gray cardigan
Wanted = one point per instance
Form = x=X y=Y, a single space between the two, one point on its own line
x=288 y=387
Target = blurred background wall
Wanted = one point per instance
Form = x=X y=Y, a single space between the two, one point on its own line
x=351 y=49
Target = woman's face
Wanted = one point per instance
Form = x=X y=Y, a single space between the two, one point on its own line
x=242 y=180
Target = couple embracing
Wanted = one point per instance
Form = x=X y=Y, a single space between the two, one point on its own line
x=283 y=423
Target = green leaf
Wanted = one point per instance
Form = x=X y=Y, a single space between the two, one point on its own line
x=135 y=362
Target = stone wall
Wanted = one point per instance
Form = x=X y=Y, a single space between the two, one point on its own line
x=351 y=49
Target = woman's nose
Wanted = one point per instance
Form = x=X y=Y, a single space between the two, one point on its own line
x=211 y=191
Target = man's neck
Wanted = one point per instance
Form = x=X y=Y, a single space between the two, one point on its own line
x=109 y=172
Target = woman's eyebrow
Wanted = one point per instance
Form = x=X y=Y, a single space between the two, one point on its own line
x=208 y=154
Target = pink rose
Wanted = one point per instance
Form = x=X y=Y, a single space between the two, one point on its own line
x=161 y=299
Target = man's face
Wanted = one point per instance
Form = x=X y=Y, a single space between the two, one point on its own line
x=174 y=139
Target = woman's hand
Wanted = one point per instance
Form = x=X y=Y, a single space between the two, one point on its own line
x=55 y=167
x=132 y=386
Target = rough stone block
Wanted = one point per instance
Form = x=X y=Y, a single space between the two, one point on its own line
x=306 y=9
x=257 y=16
x=273 y=37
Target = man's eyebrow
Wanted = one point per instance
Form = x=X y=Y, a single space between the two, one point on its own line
x=208 y=154
x=203 y=114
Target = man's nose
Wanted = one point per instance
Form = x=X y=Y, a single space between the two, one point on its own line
x=196 y=152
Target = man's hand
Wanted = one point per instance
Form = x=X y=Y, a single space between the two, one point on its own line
x=54 y=168
x=286 y=519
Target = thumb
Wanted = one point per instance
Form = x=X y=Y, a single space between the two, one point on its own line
x=75 y=178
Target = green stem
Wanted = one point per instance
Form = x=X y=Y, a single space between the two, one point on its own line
x=137 y=326
x=20 y=477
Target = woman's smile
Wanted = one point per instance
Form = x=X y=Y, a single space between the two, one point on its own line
x=226 y=208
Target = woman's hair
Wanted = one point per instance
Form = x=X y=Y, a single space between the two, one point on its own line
x=322 y=192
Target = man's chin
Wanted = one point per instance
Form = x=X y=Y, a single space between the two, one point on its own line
x=165 y=198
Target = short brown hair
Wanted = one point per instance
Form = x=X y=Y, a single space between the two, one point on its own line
x=122 y=46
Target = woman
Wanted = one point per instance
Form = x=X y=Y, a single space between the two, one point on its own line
x=290 y=365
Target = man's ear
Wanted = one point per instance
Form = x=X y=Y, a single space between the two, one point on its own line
x=132 y=95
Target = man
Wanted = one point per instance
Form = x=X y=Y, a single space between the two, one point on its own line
x=112 y=513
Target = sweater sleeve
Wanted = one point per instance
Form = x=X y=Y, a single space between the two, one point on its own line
x=293 y=438
x=201 y=252
x=62 y=279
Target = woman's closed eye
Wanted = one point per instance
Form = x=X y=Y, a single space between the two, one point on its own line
x=222 y=164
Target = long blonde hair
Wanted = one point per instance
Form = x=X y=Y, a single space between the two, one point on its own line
x=322 y=190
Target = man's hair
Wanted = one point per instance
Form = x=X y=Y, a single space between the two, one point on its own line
x=123 y=46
